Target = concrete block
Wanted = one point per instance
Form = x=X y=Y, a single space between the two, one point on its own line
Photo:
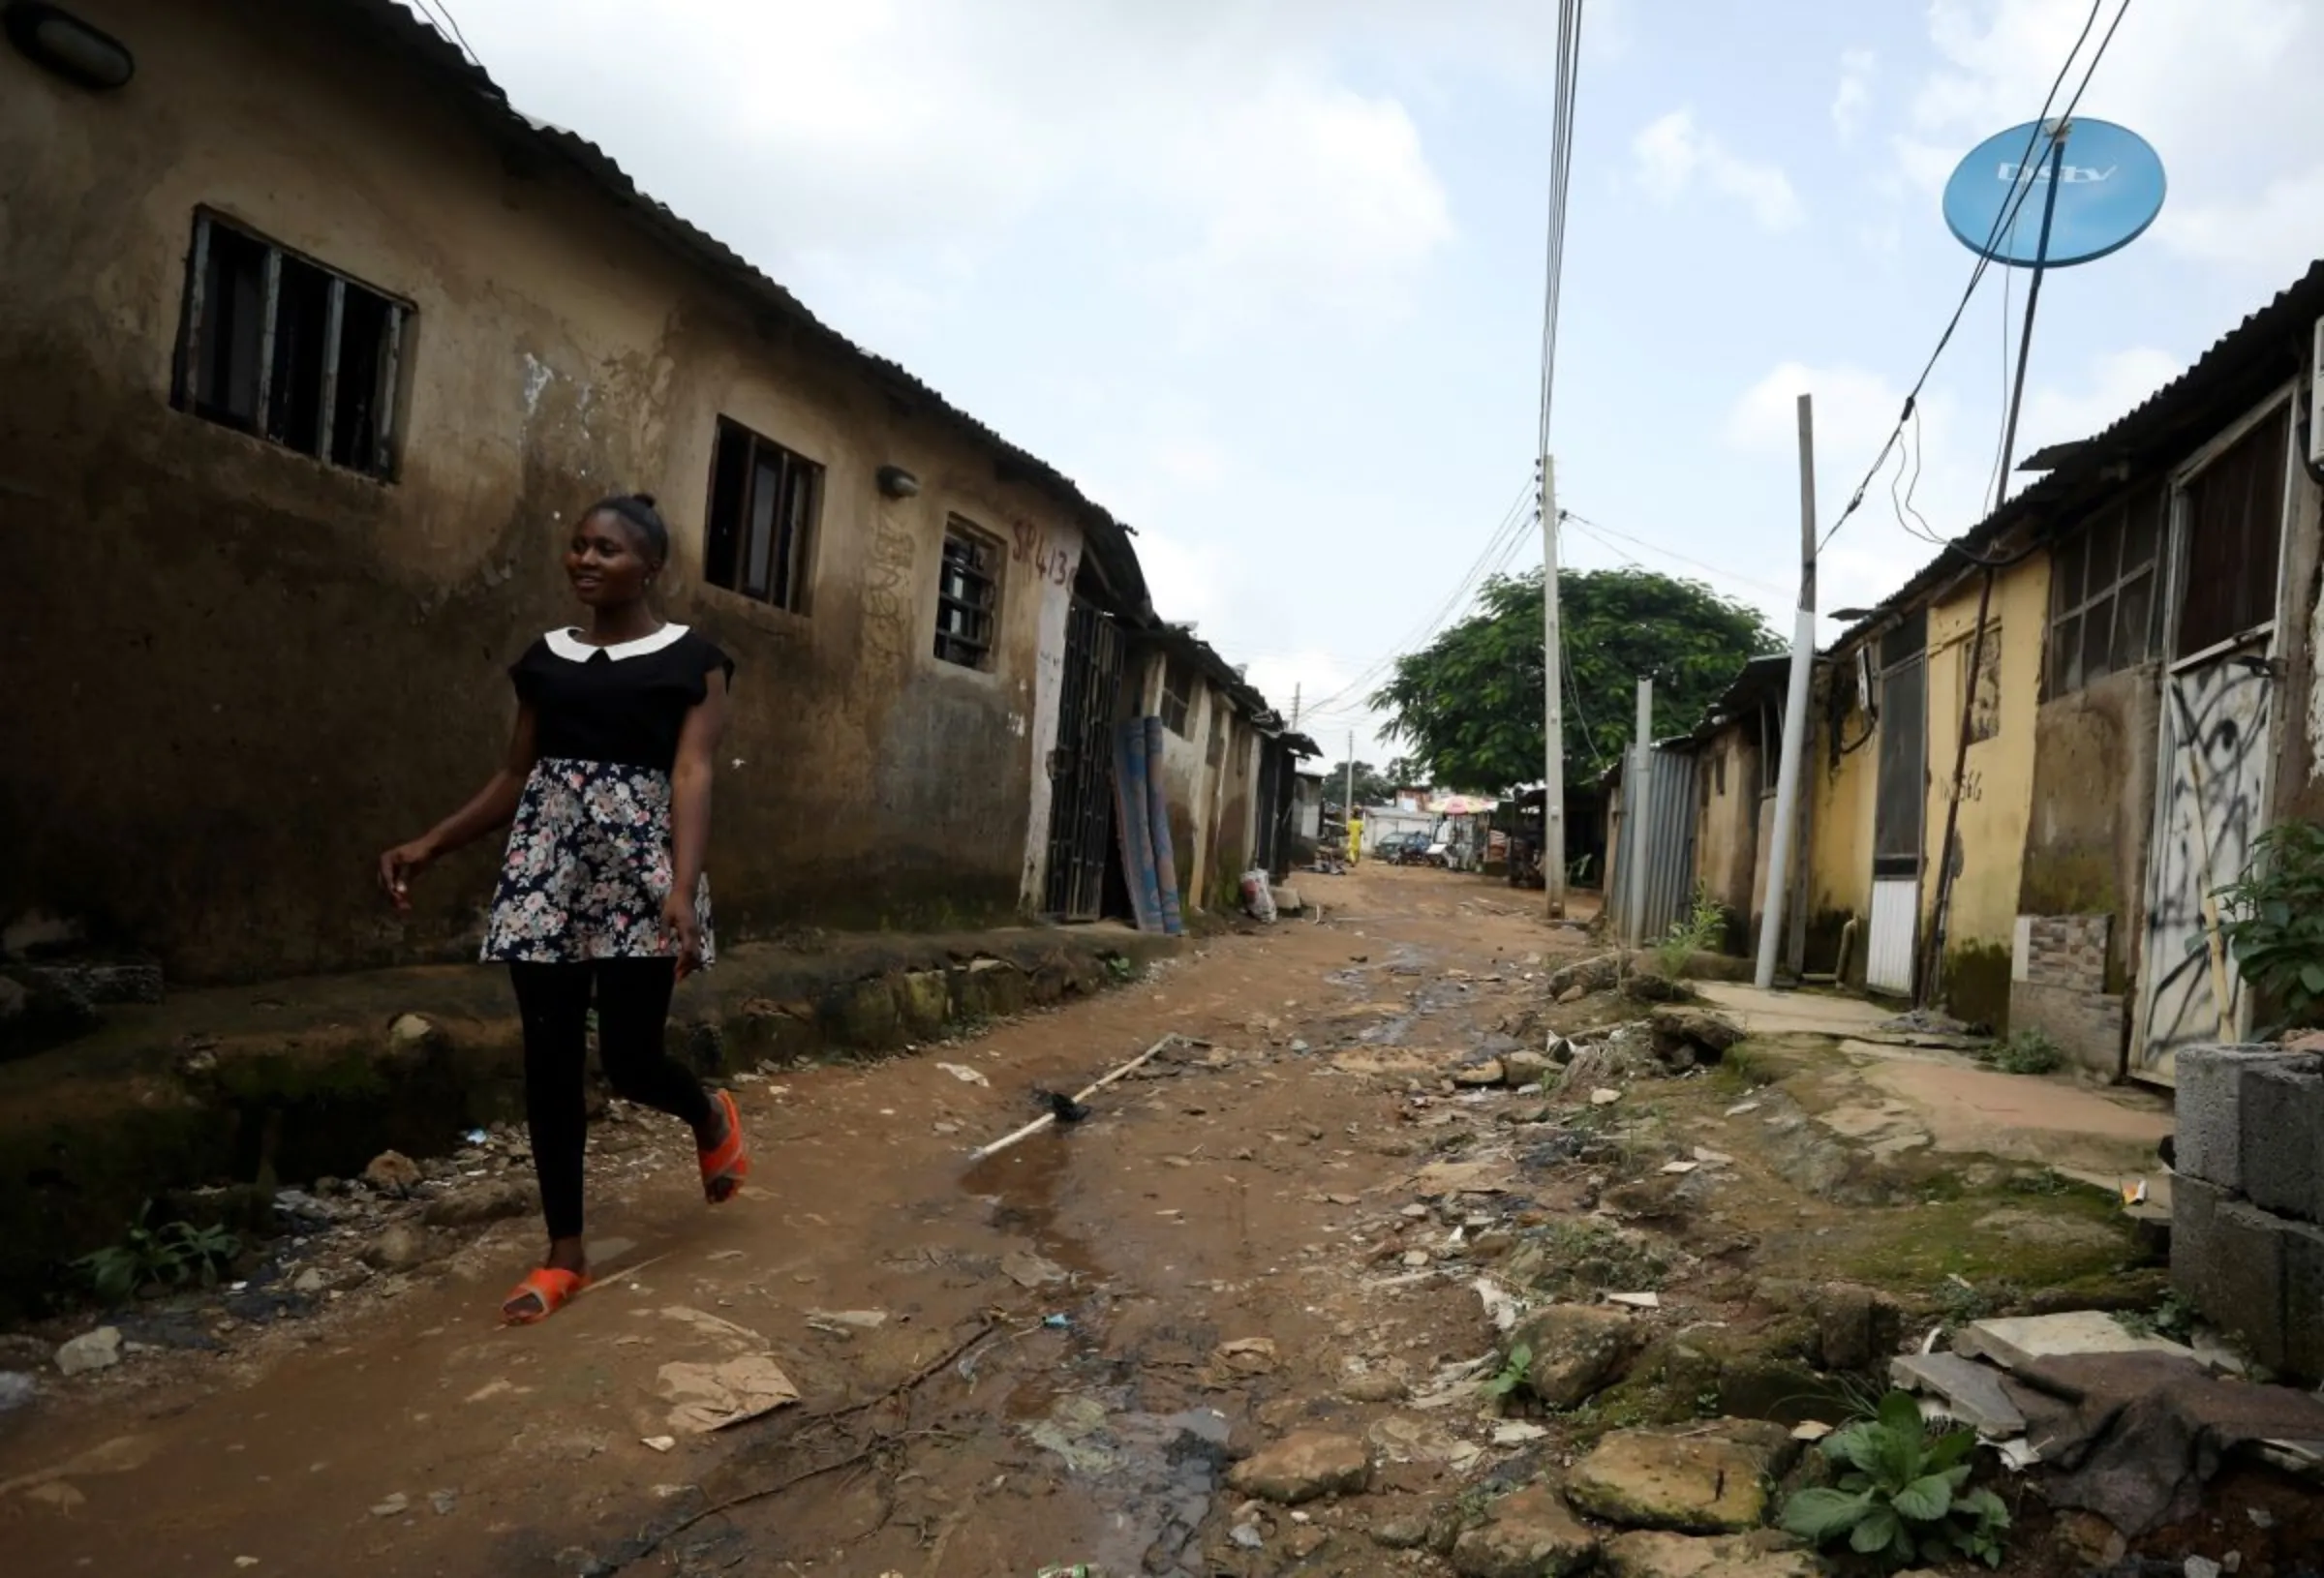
x=2209 y=1099
x=2231 y=1260
x=2281 y=1144
x=2304 y=1301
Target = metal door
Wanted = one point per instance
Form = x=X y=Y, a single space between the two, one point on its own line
x=1081 y=769
x=2217 y=722
x=1899 y=808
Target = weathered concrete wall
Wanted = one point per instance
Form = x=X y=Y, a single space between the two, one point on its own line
x=247 y=672
x=2299 y=782
x=1996 y=788
x=2090 y=822
x=1839 y=839
x=1727 y=826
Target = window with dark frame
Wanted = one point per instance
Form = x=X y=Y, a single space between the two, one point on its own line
x=967 y=594
x=2103 y=595
x=280 y=347
x=763 y=503
x=1177 y=697
x=2234 y=535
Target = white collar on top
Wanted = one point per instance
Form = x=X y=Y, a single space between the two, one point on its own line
x=567 y=643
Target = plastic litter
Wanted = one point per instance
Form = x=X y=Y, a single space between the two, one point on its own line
x=1058 y=1323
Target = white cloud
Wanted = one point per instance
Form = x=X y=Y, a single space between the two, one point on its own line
x=1212 y=154
x=1852 y=99
x=2224 y=89
x=2276 y=232
x=2117 y=383
x=1673 y=154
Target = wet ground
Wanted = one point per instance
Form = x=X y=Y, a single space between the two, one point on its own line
x=1041 y=1358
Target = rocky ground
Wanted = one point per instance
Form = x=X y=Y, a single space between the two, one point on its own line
x=1259 y=1314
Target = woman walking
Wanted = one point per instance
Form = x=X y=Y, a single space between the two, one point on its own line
x=607 y=783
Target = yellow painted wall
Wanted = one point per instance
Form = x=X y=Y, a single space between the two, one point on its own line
x=1840 y=823
x=1998 y=786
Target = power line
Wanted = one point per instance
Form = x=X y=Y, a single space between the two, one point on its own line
x=448 y=25
x=1592 y=529
x=2022 y=187
x=1496 y=550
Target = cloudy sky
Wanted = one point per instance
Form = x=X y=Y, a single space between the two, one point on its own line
x=1265 y=276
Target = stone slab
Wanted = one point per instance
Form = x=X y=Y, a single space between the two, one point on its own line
x=2281 y=1137
x=1971 y=1392
x=2017 y=1340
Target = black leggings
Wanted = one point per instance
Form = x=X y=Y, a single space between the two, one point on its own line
x=633 y=1006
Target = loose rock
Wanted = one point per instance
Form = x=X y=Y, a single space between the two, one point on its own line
x=1478 y=1075
x=1302 y=1467
x=98 y=1350
x=16 y=1390
x=1576 y=1351
x=1684 y=1036
x=400 y=1247
x=490 y=1202
x=1408 y=1533
x=1699 y=1485
x=1526 y=1534
x=392 y=1172
x=1644 y=1555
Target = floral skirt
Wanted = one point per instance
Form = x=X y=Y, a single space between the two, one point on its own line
x=588 y=867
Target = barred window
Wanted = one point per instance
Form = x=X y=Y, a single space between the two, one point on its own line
x=2102 y=594
x=968 y=596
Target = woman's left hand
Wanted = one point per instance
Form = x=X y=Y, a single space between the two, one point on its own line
x=684 y=927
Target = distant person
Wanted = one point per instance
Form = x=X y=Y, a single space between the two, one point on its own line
x=607 y=783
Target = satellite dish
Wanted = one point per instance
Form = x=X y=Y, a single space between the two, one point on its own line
x=2110 y=187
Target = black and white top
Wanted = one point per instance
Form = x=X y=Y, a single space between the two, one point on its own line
x=589 y=861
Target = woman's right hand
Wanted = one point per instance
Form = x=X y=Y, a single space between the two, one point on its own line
x=399 y=865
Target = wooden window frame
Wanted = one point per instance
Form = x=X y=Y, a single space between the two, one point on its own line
x=2066 y=657
x=1176 y=706
x=733 y=533
x=968 y=593
x=329 y=416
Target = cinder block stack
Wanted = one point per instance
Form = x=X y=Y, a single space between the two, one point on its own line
x=2248 y=1199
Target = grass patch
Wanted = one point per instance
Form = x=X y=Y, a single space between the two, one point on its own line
x=1582 y=1260
x=1942 y=1240
x=2025 y=1052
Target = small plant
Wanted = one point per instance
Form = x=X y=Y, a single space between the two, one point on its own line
x=2028 y=1051
x=1692 y=933
x=2173 y=1317
x=1121 y=968
x=2272 y=919
x=1515 y=1371
x=1903 y=1499
x=172 y=1255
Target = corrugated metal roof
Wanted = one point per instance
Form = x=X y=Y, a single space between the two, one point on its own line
x=1116 y=561
x=2259 y=354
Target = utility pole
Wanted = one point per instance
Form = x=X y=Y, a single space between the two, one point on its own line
x=1295 y=709
x=1781 y=853
x=1347 y=813
x=1553 y=712
x=1633 y=812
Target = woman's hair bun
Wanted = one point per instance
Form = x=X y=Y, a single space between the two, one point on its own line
x=645 y=499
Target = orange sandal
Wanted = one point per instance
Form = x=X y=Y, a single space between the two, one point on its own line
x=552 y=1286
x=726 y=1165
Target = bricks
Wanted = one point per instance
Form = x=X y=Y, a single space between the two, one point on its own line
x=2210 y=1102
x=2068 y=950
x=2281 y=1140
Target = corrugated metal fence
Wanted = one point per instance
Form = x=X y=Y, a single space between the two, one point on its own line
x=1669 y=824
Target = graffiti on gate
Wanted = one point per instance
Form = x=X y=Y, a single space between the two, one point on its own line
x=2216 y=737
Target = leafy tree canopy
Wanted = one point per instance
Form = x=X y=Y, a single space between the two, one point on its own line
x=1470 y=702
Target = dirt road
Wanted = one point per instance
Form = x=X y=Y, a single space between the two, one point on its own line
x=1041 y=1359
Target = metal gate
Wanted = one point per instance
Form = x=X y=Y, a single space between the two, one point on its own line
x=2217 y=732
x=1081 y=769
x=1668 y=819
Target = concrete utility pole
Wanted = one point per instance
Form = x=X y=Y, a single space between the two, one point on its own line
x=1553 y=712
x=1347 y=812
x=1633 y=812
x=1295 y=709
x=1780 y=853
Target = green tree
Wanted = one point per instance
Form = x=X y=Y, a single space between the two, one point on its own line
x=1372 y=786
x=1470 y=702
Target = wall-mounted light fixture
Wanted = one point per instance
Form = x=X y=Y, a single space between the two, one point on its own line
x=897 y=482
x=67 y=45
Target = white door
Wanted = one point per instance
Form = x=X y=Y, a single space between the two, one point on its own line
x=1888 y=944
